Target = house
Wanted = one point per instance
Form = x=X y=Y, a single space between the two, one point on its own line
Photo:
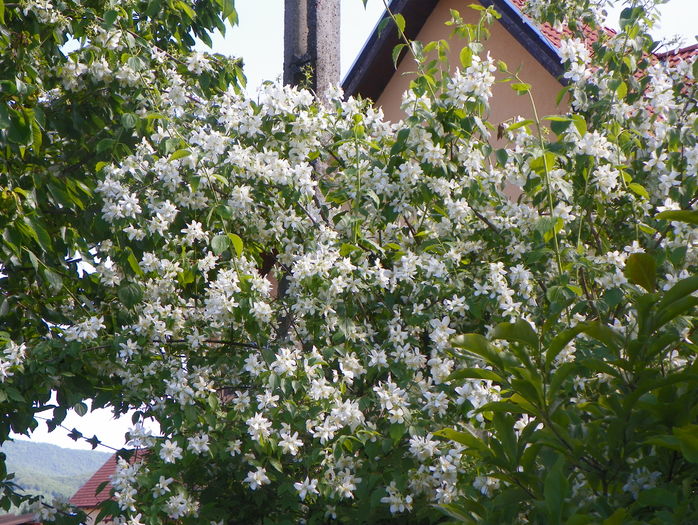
x=24 y=519
x=87 y=498
x=98 y=488
x=515 y=39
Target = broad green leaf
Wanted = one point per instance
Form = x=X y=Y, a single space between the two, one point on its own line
x=675 y=309
x=466 y=57
x=396 y=53
x=521 y=88
x=689 y=216
x=617 y=518
x=639 y=190
x=399 y=22
x=641 y=269
x=519 y=332
x=688 y=438
x=130 y=294
x=475 y=373
x=665 y=441
x=555 y=491
x=680 y=290
x=220 y=243
x=478 y=345
x=180 y=153
x=657 y=497
x=580 y=124
x=237 y=243
x=464 y=438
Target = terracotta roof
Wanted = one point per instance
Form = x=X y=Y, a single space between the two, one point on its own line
x=24 y=519
x=674 y=56
x=87 y=497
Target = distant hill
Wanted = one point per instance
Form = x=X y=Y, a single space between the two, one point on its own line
x=50 y=470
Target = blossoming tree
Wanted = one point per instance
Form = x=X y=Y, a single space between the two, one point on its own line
x=280 y=282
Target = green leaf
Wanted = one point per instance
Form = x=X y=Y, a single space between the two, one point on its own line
x=133 y=263
x=519 y=332
x=519 y=124
x=689 y=216
x=657 y=497
x=396 y=53
x=555 y=491
x=80 y=409
x=464 y=438
x=639 y=190
x=219 y=244
x=180 y=153
x=42 y=236
x=598 y=331
x=641 y=269
x=54 y=279
x=580 y=124
x=622 y=90
x=617 y=518
x=228 y=10
x=680 y=290
x=466 y=57
x=4 y=116
x=474 y=373
x=109 y=18
x=130 y=294
x=502 y=156
x=478 y=345
x=665 y=441
x=128 y=120
x=187 y=10
x=399 y=22
x=396 y=432
x=521 y=88
x=237 y=243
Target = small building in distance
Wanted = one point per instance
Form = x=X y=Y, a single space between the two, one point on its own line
x=87 y=498
x=23 y=519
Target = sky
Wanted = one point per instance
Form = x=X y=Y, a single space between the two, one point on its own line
x=259 y=40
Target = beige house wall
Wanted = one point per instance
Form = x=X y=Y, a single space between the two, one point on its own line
x=505 y=103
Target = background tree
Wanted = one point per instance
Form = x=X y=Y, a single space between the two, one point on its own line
x=79 y=81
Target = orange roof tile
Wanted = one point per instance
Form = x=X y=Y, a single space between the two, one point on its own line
x=24 y=519
x=87 y=495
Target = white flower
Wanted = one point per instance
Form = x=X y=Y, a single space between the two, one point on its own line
x=258 y=427
x=162 y=487
x=289 y=443
x=305 y=487
x=170 y=452
x=257 y=478
x=198 y=443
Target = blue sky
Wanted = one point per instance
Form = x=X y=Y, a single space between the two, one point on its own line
x=259 y=40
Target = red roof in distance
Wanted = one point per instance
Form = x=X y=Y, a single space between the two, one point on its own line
x=87 y=497
x=24 y=519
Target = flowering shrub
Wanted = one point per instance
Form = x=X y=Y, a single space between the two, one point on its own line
x=278 y=283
